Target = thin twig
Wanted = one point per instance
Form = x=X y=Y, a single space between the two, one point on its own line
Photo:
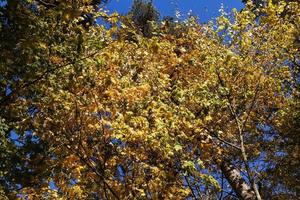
x=189 y=185
x=222 y=140
x=222 y=186
x=95 y=171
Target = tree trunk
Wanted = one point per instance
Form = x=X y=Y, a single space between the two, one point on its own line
x=237 y=182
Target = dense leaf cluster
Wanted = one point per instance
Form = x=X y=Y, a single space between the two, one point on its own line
x=102 y=106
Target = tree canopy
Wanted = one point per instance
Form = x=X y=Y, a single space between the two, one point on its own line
x=101 y=106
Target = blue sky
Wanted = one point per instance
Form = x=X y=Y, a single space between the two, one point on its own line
x=204 y=9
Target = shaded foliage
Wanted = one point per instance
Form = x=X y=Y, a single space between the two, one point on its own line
x=143 y=14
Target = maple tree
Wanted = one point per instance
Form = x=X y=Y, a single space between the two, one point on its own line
x=181 y=114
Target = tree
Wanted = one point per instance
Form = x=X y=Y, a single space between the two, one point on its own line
x=160 y=117
x=37 y=39
x=283 y=148
x=143 y=14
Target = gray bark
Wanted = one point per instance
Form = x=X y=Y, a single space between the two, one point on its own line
x=237 y=182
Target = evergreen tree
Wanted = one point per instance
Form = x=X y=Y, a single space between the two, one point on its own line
x=143 y=14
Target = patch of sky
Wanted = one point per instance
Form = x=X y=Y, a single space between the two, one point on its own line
x=121 y=172
x=15 y=138
x=20 y=141
x=73 y=182
x=8 y=90
x=32 y=110
x=204 y=10
x=102 y=114
x=270 y=132
x=52 y=185
x=117 y=142
x=30 y=136
x=3 y=3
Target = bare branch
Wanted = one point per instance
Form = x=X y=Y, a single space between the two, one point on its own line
x=222 y=140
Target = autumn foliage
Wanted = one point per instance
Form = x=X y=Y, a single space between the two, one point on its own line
x=104 y=112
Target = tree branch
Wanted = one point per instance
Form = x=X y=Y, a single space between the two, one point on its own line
x=190 y=187
x=240 y=133
x=83 y=160
x=222 y=140
x=8 y=98
x=46 y=4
